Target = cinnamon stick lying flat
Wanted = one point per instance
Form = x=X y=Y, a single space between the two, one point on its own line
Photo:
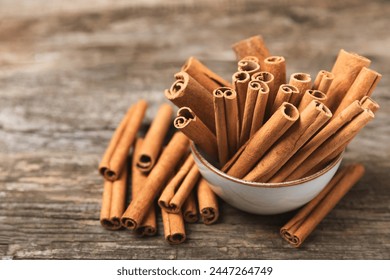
x=345 y=70
x=190 y=211
x=309 y=95
x=306 y=220
x=113 y=202
x=323 y=81
x=262 y=140
x=174 y=230
x=188 y=92
x=338 y=141
x=154 y=139
x=138 y=179
x=113 y=161
x=363 y=85
x=253 y=46
x=203 y=75
x=302 y=82
x=208 y=203
x=175 y=150
x=325 y=133
x=188 y=123
x=179 y=188
x=284 y=94
x=312 y=118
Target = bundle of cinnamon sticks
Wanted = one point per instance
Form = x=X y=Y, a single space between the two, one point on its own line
x=258 y=127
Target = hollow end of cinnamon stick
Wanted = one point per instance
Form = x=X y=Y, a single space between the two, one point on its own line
x=109 y=174
x=241 y=77
x=263 y=76
x=301 y=77
x=145 y=231
x=111 y=224
x=145 y=163
x=368 y=103
x=129 y=223
x=290 y=111
x=176 y=238
x=209 y=215
x=248 y=66
x=274 y=59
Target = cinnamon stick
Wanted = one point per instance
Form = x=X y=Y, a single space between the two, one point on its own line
x=255 y=105
x=323 y=81
x=306 y=220
x=193 y=127
x=114 y=159
x=113 y=202
x=253 y=46
x=325 y=133
x=221 y=126
x=249 y=66
x=174 y=230
x=262 y=140
x=241 y=80
x=363 y=85
x=312 y=118
x=232 y=115
x=345 y=70
x=309 y=95
x=154 y=139
x=203 y=75
x=302 y=82
x=190 y=211
x=269 y=79
x=187 y=92
x=284 y=94
x=276 y=65
x=208 y=203
x=337 y=142
x=369 y=103
x=148 y=225
x=180 y=187
x=175 y=150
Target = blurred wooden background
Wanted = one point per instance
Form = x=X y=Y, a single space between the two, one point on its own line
x=70 y=69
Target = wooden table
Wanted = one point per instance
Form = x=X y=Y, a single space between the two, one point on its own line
x=68 y=72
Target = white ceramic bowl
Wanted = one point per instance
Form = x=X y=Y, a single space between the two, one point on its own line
x=264 y=198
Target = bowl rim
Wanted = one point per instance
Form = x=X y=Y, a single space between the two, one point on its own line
x=218 y=172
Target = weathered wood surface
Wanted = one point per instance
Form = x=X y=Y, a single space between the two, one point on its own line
x=69 y=70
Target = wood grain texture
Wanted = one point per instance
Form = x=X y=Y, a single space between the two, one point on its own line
x=68 y=75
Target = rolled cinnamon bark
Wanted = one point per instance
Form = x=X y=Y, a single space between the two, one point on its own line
x=187 y=92
x=175 y=150
x=249 y=66
x=306 y=220
x=174 y=230
x=369 y=103
x=154 y=139
x=363 y=85
x=255 y=105
x=345 y=70
x=253 y=46
x=269 y=79
x=276 y=65
x=302 y=82
x=337 y=142
x=309 y=95
x=190 y=211
x=188 y=123
x=113 y=202
x=221 y=126
x=208 y=203
x=179 y=188
x=284 y=94
x=203 y=75
x=115 y=157
x=148 y=225
x=263 y=139
x=323 y=81
x=232 y=117
x=312 y=118
x=325 y=133
x=241 y=80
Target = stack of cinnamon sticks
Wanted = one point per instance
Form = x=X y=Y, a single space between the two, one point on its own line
x=153 y=176
x=257 y=127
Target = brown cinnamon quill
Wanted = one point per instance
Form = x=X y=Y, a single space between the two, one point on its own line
x=113 y=202
x=175 y=150
x=190 y=211
x=302 y=82
x=187 y=92
x=323 y=81
x=221 y=126
x=188 y=123
x=208 y=203
x=309 y=95
x=269 y=79
x=115 y=157
x=249 y=66
x=253 y=46
x=241 y=80
x=154 y=139
x=284 y=94
x=306 y=220
x=174 y=230
x=369 y=103
x=148 y=225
